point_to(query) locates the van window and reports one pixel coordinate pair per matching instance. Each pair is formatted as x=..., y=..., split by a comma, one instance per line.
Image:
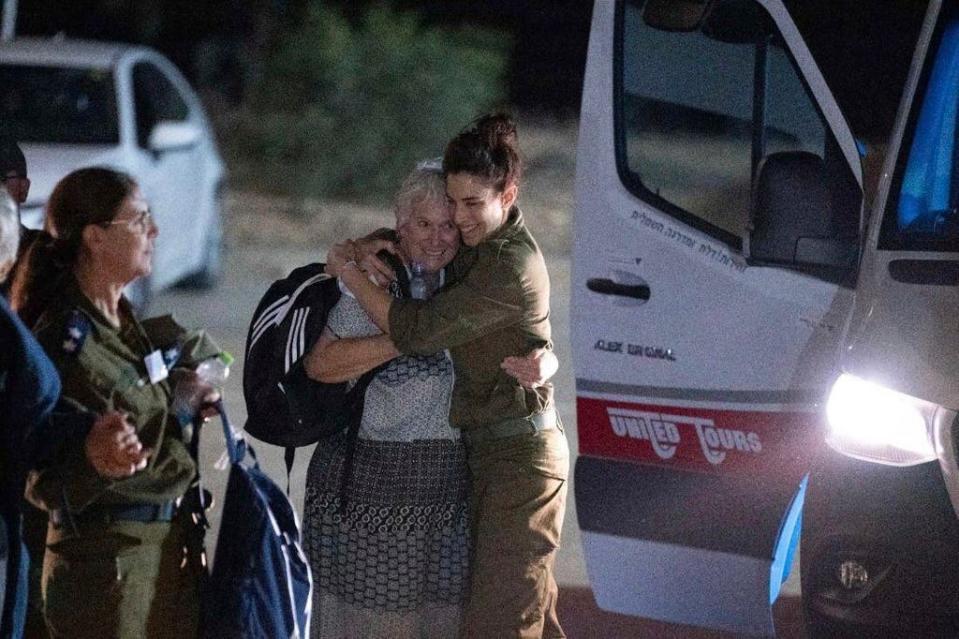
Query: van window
x=698, y=109
x=922, y=213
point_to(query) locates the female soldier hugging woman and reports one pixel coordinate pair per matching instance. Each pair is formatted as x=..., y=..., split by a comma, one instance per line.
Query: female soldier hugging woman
x=394, y=562
x=496, y=304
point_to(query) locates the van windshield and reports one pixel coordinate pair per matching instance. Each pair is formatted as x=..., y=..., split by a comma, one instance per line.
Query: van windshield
x=922, y=213
x=58, y=105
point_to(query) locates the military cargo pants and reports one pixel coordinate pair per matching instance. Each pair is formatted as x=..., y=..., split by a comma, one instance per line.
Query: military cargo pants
x=517, y=505
x=120, y=584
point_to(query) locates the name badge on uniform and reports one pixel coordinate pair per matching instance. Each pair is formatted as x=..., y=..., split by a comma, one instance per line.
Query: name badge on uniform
x=156, y=367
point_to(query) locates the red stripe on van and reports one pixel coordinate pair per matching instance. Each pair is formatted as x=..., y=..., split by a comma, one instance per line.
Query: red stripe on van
x=697, y=439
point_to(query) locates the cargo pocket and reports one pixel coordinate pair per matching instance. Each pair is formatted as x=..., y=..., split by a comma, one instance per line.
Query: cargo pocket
x=82, y=596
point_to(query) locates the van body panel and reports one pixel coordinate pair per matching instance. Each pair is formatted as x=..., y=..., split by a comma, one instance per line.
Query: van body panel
x=715, y=598
x=703, y=366
x=902, y=331
x=700, y=377
x=905, y=336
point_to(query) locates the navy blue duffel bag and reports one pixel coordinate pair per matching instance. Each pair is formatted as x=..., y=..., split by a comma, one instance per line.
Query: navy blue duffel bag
x=260, y=585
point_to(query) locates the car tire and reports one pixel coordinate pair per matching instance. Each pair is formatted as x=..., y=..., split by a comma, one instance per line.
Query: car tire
x=209, y=273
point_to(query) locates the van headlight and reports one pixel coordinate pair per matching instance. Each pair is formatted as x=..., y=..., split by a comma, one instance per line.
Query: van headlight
x=868, y=421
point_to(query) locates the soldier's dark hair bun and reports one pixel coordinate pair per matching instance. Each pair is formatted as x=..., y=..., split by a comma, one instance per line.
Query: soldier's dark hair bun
x=487, y=148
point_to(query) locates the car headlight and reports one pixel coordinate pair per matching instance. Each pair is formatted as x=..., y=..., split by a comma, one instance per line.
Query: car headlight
x=868, y=421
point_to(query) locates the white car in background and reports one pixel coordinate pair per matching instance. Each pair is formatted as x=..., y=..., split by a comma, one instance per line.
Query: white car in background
x=72, y=104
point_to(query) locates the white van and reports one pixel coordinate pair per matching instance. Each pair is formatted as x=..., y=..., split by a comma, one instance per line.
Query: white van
x=735, y=307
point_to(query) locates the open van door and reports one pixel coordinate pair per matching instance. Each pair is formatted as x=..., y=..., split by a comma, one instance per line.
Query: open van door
x=717, y=232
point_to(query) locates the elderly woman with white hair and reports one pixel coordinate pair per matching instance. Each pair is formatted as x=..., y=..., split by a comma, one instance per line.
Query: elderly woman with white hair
x=392, y=561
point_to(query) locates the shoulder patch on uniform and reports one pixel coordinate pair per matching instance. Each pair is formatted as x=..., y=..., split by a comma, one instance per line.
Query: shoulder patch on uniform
x=171, y=353
x=75, y=332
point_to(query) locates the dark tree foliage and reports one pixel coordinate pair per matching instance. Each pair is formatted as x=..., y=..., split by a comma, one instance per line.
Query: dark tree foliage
x=217, y=42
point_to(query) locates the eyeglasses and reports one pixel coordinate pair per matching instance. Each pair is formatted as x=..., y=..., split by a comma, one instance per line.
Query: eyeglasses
x=141, y=223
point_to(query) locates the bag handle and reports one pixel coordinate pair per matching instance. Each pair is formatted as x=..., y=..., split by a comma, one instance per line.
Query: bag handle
x=236, y=447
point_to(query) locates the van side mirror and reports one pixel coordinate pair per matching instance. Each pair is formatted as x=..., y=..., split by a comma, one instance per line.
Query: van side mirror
x=169, y=135
x=794, y=218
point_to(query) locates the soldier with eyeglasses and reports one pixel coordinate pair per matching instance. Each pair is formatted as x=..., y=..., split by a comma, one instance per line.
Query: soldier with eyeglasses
x=116, y=563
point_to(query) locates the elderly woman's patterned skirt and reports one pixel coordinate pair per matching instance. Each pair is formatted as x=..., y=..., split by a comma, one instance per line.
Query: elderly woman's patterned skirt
x=394, y=562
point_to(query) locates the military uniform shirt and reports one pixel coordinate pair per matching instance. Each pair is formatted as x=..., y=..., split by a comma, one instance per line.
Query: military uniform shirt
x=497, y=305
x=102, y=368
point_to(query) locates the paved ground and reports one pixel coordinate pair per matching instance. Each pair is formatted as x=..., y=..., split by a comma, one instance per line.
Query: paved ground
x=226, y=312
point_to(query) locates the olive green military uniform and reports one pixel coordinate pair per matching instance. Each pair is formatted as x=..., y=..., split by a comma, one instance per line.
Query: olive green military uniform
x=114, y=561
x=497, y=306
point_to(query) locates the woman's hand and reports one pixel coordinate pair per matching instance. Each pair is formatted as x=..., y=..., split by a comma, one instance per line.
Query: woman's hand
x=113, y=448
x=533, y=370
x=193, y=396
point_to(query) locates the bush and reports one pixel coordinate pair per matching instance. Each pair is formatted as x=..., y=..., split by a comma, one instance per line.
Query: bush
x=342, y=110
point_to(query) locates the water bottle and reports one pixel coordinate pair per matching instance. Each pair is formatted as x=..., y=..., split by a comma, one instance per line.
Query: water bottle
x=418, y=287
x=215, y=370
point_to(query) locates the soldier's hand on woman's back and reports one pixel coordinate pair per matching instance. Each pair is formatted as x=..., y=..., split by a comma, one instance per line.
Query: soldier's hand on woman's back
x=113, y=448
x=532, y=370
x=367, y=250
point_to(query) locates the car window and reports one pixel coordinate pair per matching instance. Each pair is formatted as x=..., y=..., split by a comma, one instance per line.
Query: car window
x=700, y=108
x=58, y=105
x=155, y=99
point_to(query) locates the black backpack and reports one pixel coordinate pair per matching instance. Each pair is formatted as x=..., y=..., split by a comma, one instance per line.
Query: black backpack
x=284, y=406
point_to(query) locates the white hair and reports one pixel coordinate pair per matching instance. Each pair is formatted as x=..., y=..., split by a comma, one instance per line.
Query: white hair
x=9, y=233
x=424, y=184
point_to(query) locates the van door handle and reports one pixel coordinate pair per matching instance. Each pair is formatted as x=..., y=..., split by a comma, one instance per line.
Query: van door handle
x=606, y=286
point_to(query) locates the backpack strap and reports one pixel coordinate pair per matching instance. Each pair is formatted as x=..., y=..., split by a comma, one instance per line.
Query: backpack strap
x=402, y=278
x=235, y=447
x=289, y=454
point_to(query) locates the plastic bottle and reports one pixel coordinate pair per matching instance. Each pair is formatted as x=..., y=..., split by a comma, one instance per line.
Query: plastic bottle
x=215, y=370
x=418, y=287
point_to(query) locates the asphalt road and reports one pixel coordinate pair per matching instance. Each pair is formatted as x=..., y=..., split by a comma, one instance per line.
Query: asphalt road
x=226, y=311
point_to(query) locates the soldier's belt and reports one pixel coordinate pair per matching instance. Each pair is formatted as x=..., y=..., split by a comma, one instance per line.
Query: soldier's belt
x=510, y=428
x=105, y=515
